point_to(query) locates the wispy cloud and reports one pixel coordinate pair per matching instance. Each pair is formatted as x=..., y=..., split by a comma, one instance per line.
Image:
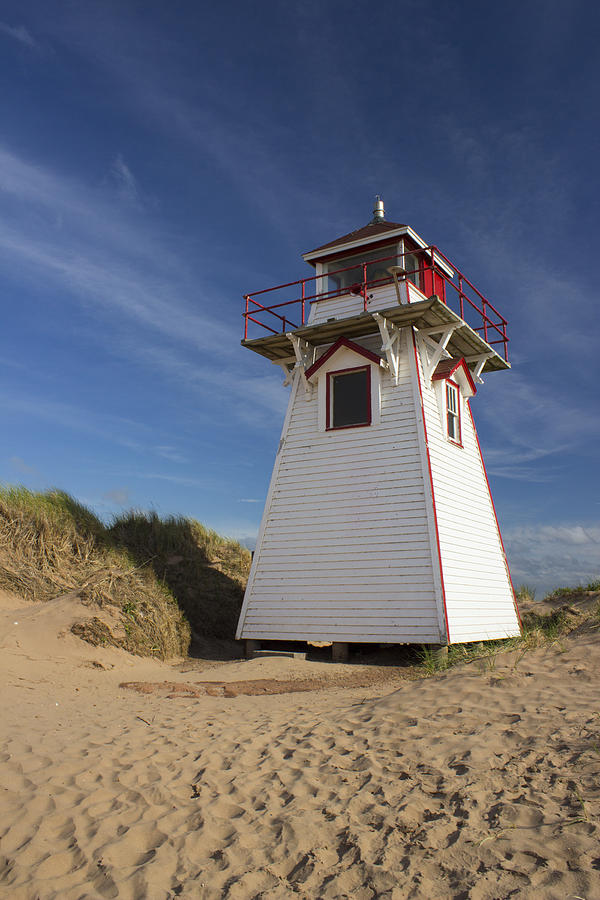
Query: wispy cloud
x=119, y=496
x=19, y=33
x=554, y=556
x=532, y=425
x=115, y=429
x=170, y=453
x=19, y=465
x=103, y=257
x=125, y=271
x=124, y=180
x=174, y=479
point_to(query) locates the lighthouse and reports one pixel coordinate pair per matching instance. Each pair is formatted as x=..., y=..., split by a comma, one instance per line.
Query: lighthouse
x=379, y=524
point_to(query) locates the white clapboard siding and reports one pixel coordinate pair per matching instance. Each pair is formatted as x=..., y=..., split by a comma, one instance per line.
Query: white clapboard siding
x=344, y=552
x=353, y=304
x=479, y=597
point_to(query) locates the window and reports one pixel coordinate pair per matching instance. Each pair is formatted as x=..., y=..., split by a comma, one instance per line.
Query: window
x=376, y=271
x=453, y=412
x=412, y=265
x=349, y=398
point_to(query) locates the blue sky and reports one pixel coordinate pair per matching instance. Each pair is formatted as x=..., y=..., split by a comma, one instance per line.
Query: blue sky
x=158, y=160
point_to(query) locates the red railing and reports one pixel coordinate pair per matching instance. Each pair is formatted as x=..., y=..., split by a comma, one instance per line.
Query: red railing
x=427, y=275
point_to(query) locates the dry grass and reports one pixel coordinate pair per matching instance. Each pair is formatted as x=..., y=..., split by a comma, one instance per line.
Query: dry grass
x=159, y=575
x=545, y=624
x=51, y=546
x=206, y=573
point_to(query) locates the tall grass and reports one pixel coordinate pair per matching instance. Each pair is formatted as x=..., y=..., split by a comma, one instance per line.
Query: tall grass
x=205, y=572
x=148, y=571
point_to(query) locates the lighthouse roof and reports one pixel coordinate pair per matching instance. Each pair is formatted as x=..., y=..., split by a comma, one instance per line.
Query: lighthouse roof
x=373, y=229
x=372, y=235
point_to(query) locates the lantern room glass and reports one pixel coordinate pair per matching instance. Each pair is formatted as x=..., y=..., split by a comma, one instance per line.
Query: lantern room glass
x=378, y=262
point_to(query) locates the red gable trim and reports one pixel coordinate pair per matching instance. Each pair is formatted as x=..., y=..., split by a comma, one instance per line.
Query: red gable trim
x=447, y=367
x=349, y=345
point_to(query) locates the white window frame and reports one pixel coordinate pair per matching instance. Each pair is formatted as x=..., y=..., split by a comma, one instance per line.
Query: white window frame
x=452, y=409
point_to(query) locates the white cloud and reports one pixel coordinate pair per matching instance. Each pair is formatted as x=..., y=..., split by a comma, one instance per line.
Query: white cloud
x=551, y=556
x=19, y=33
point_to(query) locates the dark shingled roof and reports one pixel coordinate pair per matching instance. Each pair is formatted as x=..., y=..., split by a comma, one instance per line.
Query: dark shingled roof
x=446, y=367
x=367, y=231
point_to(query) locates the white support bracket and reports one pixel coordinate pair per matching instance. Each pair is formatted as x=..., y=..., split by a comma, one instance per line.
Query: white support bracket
x=479, y=363
x=395, y=272
x=434, y=350
x=287, y=367
x=390, y=336
x=305, y=357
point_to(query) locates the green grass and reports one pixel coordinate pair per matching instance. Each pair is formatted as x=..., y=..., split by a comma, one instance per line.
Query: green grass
x=539, y=630
x=155, y=575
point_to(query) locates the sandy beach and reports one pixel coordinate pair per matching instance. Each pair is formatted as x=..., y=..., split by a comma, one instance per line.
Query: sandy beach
x=480, y=782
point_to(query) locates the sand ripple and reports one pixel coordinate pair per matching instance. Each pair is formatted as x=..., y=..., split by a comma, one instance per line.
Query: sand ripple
x=476, y=784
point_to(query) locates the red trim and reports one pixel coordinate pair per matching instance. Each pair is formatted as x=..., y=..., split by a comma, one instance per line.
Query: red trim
x=349, y=345
x=447, y=367
x=479, y=305
x=495, y=516
x=459, y=442
x=437, y=533
x=328, y=425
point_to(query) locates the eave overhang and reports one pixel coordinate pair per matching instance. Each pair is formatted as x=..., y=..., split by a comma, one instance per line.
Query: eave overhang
x=464, y=342
x=329, y=252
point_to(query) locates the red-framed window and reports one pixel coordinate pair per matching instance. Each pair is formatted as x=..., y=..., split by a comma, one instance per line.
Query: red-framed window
x=349, y=398
x=453, y=424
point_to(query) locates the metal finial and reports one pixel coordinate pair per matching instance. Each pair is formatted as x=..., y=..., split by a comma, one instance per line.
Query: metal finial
x=379, y=211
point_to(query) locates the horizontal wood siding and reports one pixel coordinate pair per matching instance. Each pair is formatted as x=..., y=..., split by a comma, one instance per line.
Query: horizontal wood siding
x=345, y=552
x=352, y=304
x=479, y=596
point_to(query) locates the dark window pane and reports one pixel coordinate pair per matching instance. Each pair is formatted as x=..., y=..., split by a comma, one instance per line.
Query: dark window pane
x=350, y=404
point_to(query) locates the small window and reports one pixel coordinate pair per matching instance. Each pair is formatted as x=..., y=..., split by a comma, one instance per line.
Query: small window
x=453, y=412
x=349, y=398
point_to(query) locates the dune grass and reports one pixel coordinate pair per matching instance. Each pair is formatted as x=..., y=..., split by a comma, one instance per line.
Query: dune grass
x=154, y=576
x=540, y=629
x=205, y=572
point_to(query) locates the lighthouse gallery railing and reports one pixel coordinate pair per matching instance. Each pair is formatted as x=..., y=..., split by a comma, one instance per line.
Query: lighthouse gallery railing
x=473, y=307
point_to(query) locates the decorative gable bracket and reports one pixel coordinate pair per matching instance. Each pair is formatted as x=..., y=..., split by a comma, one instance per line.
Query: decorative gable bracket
x=477, y=364
x=390, y=336
x=434, y=350
x=305, y=357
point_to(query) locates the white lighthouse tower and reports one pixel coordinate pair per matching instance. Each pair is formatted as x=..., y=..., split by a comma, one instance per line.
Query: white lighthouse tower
x=379, y=525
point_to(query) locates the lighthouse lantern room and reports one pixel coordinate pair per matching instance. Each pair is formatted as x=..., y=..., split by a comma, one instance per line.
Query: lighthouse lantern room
x=379, y=525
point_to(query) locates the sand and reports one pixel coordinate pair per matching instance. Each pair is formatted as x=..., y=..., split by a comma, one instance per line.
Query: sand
x=482, y=782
